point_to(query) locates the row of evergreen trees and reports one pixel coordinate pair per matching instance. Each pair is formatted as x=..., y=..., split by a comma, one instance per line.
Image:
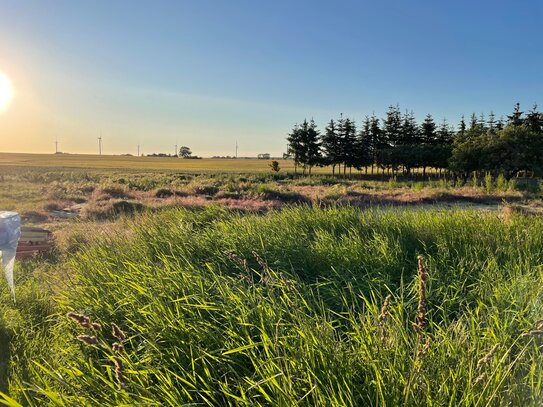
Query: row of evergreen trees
x=398, y=143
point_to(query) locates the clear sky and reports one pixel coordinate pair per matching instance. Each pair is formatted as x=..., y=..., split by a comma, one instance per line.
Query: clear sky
x=207, y=73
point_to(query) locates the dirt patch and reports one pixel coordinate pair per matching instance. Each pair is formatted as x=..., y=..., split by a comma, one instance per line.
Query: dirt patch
x=110, y=193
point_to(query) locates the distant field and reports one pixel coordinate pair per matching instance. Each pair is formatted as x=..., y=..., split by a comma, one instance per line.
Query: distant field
x=154, y=163
x=205, y=165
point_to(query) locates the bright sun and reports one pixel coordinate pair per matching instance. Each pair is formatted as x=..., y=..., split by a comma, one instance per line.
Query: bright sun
x=6, y=91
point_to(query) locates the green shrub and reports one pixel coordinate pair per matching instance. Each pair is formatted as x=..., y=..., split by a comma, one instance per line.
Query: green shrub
x=418, y=186
x=501, y=183
x=475, y=180
x=488, y=183
x=512, y=185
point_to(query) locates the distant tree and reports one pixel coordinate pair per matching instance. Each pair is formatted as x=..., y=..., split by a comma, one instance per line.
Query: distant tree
x=410, y=133
x=534, y=120
x=442, y=150
x=312, y=144
x=348, y=141
x=474, y=123
x=364, y=146
x=392, y=126
x=184, y=152
x=491, y=123
x=515, y=118
x=392, y=133
x=378, y=142
x=304, y=145
x=295, y=147
x=428, y=130
x=406, y=153
x=462, y=127
x=330, y=145
x=274, y=166
x=263, y=156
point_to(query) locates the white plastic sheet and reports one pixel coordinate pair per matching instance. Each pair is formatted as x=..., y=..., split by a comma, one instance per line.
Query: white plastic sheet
x=10, y=231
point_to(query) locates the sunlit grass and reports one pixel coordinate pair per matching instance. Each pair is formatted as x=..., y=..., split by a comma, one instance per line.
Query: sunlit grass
x=302, y=324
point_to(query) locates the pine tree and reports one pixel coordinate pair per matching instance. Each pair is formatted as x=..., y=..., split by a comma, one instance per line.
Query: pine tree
x=330, y=144
x=445, y=133
x=392, y=126
x=428, y=138
x=410, y=133
x=310, y=144
x=365, y=147
x=534, y=120
x=473, y=124
x=491, y=123
x=295, y=147
x=428, y=130
x=462, y=127
x=348, y=140
x=515, y=118
x=377, y=141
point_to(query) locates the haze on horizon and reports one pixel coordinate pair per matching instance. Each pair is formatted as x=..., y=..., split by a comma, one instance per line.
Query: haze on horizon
x=205, y=74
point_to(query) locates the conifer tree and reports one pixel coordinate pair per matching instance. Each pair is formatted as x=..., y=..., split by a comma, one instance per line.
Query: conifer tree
x=311, y=144
x=515, y=118
x=348, y=140
x=428, y=130
x=491, y=123
x=330, y=144
x=377, y=140
x=295, y=147
x=392, y=126
x=534, y=120
x=365, y=147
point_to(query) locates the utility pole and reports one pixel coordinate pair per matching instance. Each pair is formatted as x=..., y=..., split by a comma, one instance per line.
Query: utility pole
x=236, y=149
x=100, y=145
x=138, y=150
x=176, y=151
x=56, y=145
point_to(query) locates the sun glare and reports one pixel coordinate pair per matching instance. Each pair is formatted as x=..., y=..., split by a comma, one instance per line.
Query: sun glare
x=6, y=91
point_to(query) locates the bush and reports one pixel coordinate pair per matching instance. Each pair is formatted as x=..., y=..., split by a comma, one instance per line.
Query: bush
x=489, y=186
x=501, y=183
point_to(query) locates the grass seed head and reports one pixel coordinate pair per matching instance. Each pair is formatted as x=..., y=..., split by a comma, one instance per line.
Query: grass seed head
x=242, y=263
x=87, y=340
x=117, y=347
x=81, y=319
x=117, y=332
x=119, y=371
x=488, y=357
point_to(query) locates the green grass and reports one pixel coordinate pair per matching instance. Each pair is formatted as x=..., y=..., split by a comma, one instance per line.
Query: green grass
x=299, y=325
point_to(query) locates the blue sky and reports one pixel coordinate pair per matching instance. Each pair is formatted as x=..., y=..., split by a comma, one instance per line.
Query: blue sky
x=207, y=73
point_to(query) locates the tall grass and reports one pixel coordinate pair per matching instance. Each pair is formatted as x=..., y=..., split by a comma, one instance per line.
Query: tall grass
x=305, y=306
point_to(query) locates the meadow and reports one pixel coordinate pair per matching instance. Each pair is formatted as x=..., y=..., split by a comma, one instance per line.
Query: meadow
x=257, y=288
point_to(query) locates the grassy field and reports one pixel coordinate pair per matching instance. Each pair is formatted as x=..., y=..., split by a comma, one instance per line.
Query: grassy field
x=255, y=288
x=208, y=165
x=304, y=306
x=37, y=192
x=205, y=165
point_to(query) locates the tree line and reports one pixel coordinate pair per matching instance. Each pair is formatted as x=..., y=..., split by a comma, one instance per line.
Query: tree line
x=397, y=144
